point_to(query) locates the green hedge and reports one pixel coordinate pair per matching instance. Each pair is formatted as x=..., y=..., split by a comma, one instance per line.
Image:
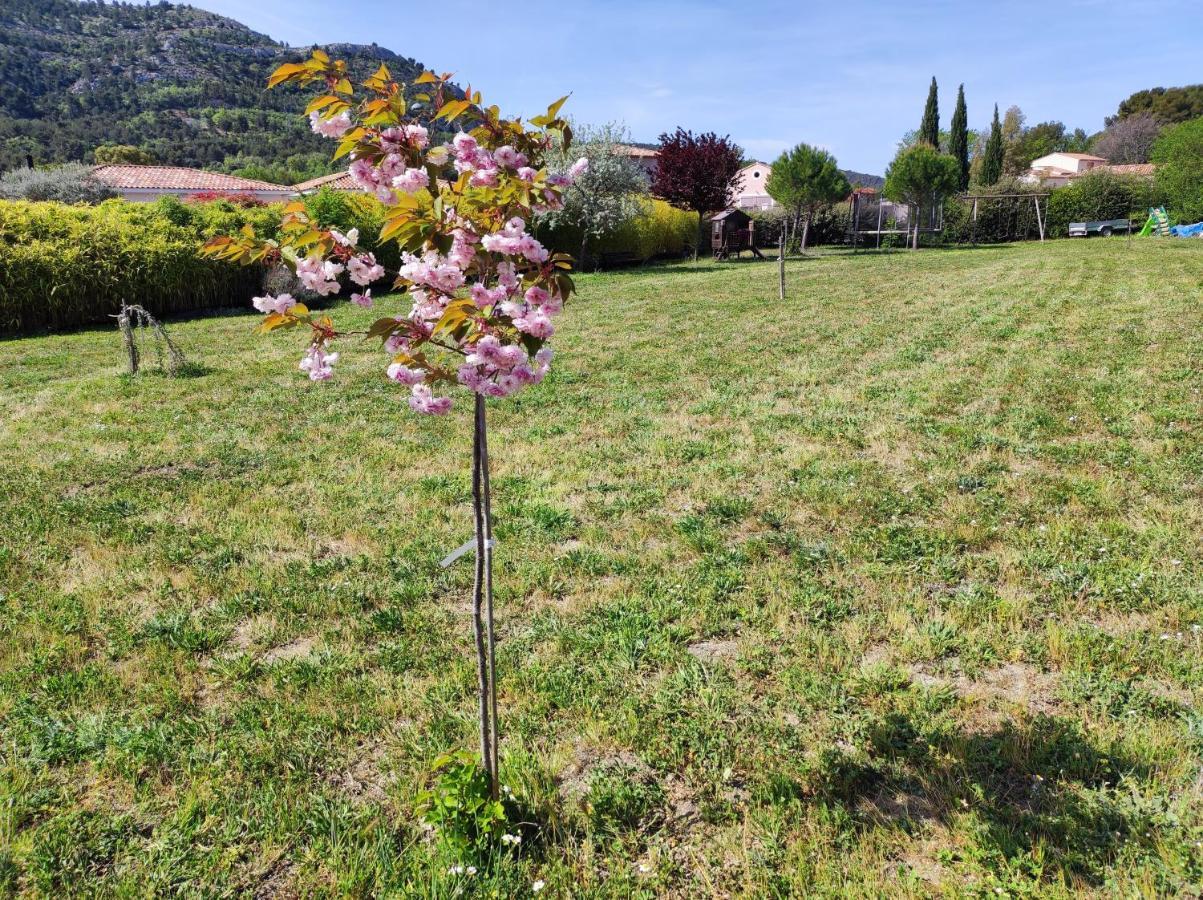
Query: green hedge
x=1099, y=196
x=659, y=230
x=65, y=266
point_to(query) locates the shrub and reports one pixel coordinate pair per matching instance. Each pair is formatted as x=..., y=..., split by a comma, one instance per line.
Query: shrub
x=659, y=230
x=1179, y=151
x=70, y=183
x=63, y=266
x=1099, y=195
x=998, y=221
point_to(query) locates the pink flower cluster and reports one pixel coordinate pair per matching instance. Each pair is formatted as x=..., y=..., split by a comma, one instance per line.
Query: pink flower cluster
x=334, y=127
x=318, y=362
x=318, y=275
x=498, y=370
x=505, y=271
x=269, y=304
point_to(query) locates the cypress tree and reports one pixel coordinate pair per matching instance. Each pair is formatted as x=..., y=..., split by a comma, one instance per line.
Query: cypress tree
x=929, y=131
x=992, y=165
x=958, y=142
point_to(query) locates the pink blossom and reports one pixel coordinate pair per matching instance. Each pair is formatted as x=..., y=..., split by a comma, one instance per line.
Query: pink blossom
x=484, y=178
x=417, y=136
x=438, y=156
x=350, y=239
x=507, y=276
x=536, y=323
x=579, y=168
x=269, y=304
x=485, y=297
x=333, y=127
x=364, y=299
x=318, y=363
x=364, y=174
x=506, y=157
x=536, y=296
x=464, y=143
x=411, y=181
x=318, y=276
x=392, y=166
x=363, y=270
x=405, y=375
x=526, y=173
x=422, y=400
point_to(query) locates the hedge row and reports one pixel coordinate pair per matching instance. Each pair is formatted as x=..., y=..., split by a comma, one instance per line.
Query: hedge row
x=65, y=266
x=659, y=230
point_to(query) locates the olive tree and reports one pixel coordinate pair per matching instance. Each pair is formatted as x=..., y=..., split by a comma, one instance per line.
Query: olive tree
x=804, y=180
x=921, y=176
x=607, y=195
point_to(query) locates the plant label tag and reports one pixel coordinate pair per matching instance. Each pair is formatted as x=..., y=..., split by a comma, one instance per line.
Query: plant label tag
x=465, y=547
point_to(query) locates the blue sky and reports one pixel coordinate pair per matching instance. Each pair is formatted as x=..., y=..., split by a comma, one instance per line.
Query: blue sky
x=851, y=76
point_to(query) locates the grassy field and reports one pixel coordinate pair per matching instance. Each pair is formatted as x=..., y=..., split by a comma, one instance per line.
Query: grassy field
x=892, y=588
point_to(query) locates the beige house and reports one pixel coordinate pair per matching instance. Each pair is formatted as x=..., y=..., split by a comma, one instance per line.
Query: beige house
x=1059, y=169
x=750, y=192
x=147, y=183
x=644, y=158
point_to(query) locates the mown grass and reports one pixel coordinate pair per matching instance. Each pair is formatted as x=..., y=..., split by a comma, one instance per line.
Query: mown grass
x=892, y=588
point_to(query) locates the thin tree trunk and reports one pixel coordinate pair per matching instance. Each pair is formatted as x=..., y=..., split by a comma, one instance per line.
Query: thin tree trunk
x=781, y=264
x=489, y=633
x=806, y=231
x=580, y=265
x=478, y=591
x=701, y=236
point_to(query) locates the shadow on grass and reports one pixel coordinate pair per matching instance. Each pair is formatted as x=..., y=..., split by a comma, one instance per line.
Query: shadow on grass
x=1043, y=792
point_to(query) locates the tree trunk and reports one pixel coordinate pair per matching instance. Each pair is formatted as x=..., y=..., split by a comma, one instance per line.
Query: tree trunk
x=701, y=236
x=806, y=230
x=781, y=264
x=915, y=243
x=482, y=589
x=580, y=263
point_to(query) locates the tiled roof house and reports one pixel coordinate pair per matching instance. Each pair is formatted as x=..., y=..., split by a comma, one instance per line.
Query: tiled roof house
x=146, y=183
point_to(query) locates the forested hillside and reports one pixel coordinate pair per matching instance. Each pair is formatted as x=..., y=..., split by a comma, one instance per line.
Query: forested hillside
x=183, y=84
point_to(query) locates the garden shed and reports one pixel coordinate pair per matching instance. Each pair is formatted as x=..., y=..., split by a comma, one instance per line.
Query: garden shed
x=732, y=231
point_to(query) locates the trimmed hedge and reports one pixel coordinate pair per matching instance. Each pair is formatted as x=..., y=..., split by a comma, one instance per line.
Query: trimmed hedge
x=659, y=230
x=65, y=266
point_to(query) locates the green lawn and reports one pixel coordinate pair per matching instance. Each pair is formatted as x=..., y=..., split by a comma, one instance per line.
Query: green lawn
x=892, y=588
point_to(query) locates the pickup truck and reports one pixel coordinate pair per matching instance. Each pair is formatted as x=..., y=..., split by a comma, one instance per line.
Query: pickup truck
x=1105, y=228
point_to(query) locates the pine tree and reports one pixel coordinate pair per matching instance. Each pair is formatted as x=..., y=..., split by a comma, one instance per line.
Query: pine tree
x=992, y=166
x=929, y=131
x=958, y=141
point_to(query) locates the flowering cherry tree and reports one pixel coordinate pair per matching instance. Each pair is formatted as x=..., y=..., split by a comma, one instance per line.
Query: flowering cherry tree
x=482, y=292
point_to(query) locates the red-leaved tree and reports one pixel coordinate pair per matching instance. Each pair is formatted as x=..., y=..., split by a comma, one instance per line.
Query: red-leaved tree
x=698, y=173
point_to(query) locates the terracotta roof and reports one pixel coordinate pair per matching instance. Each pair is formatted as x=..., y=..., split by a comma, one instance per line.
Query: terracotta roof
x=178, y=178
x=338, y=181
x=632, y=150
x=1144, y=169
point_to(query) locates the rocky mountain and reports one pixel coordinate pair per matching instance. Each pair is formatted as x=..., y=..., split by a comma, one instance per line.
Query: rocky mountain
x=183, y=84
